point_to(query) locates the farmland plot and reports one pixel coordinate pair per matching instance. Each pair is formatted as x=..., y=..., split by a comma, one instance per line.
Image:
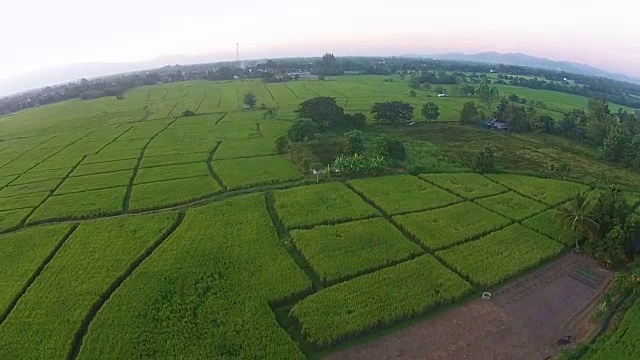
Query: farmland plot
x=22, y=253
x=23, y=201
x=467, y=185
x=225, y=275
x=172, y=192
x=242, y=173
x=548, y=191
x=320, y=204
x=403, y=193
x=104, y=167
x=342, y=251
x=171, y=172
x=55, y=305
x=37, y=176
x=231, y=149
x=81, y=205
x=176, y=159
x=29, y=188
x=545, y=224
x=373, y=301
x=623, y=343
x=501, y=255
x=12, y=218
x=512, y=205
x=94, y=182
x=451, y=225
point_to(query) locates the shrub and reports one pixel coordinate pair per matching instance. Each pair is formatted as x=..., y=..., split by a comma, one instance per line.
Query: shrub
x=188, y=113
x=484, y=160
x=282, y=144
x=392, y=149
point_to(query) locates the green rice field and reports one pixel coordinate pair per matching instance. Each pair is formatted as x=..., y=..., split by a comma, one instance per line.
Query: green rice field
x=128, y=231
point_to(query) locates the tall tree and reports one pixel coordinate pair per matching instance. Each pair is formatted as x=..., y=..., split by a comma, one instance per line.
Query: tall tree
x=430, y=111
x=577, y=216
x=488, y=95
x=392, y=111
x=323, y=110
x=250, y=99
x=469, y=113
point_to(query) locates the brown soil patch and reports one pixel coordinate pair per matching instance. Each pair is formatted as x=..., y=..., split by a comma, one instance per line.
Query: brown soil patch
x=523, y=320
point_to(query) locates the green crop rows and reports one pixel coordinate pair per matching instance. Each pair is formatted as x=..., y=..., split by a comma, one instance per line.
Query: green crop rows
x=548, y=191
x=206, y=292
x=403, y=193
x=623, y=343
x=241, y=173
x=512, y=205
x=500, y=255
x=466, y=185
x=374, y=300
x=343, y=251
x=448, y=226
x=320, y=204
x=82, y=270
x=130, y=231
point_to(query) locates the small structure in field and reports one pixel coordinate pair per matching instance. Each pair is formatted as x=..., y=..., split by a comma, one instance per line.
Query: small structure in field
x=497, y=125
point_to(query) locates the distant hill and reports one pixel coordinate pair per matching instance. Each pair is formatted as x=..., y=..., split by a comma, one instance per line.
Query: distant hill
x=532, y=61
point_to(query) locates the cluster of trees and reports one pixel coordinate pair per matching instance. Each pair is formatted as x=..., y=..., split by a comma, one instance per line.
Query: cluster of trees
x=425, y=77
x=593, y=88
x=607, y=227
x=323, y=134
x=327, y=66
x=615, y=135
x=393, y=112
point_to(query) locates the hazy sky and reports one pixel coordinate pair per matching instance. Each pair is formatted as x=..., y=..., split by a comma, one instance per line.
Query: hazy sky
x=44, y=33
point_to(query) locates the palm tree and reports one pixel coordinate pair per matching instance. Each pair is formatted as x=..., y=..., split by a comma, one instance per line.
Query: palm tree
x=576, y=216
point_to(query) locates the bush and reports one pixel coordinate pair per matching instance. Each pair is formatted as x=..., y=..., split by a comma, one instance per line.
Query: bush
x=412, y=93
x=358, y=165
x=484, y=160
x=188, y=113
x=392, y=149
x=355, y=142
x=282, y=144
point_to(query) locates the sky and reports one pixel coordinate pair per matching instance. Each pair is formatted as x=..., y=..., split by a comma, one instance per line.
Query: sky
x=38, y=34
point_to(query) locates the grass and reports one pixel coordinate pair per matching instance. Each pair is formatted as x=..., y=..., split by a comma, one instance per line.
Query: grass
x=466, y=185
x=320, y=204
x=342, y=251
x=172, y=192
x=500, y=255
x=451, y=225
x=171, y=172
x=512, y=205
x=79, y=274
x=94, y=182
x=242, y=173
x=403, y=193
x=80, y=205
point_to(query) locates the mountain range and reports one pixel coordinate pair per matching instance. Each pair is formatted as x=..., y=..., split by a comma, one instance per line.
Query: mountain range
x=493, y=57
x=73, y=72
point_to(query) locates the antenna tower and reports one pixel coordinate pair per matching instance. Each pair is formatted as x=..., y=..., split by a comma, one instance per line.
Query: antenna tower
x=237, y=55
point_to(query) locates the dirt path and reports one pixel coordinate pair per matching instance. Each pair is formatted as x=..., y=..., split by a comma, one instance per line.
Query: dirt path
x=523, y=320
